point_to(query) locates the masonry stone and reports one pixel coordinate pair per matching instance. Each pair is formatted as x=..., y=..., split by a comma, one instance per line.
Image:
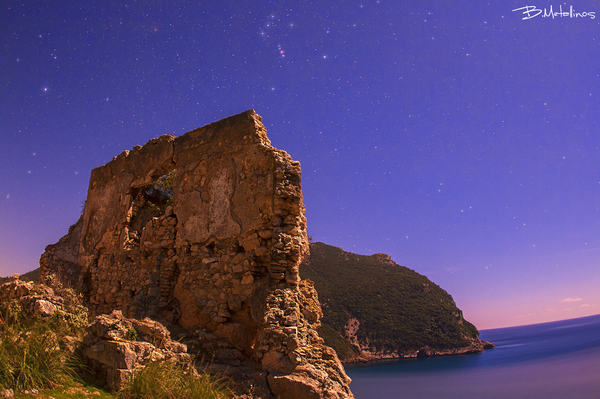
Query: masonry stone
x=206, y=232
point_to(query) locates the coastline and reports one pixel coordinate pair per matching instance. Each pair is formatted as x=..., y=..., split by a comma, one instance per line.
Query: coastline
x=477, y=346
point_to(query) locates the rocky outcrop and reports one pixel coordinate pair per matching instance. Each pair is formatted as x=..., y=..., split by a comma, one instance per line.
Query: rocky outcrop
x=118, y=347
x=476, y=346
x=34, y=300
x=61, y=258
x=206, y=231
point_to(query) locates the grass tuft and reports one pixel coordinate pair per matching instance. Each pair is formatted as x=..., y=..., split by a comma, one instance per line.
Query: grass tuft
x=32, y=354
x=168, y=379
x=32, y=358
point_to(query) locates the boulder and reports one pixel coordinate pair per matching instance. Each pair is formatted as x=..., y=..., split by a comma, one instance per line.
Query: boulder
x=118, y=346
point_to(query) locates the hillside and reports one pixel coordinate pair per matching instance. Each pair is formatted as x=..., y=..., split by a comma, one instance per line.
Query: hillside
x=385, y=309
x=33, y=275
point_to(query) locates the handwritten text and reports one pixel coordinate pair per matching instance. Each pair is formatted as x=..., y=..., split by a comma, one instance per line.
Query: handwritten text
x=532, y=12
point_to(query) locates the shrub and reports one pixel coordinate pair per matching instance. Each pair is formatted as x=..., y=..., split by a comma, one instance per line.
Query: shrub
x=132, y=334
x=73, y=317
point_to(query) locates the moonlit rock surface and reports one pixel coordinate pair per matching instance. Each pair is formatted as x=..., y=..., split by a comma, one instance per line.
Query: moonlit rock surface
x=218, y=247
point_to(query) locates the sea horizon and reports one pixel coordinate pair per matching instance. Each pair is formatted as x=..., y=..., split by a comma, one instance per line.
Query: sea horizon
x=540, y=323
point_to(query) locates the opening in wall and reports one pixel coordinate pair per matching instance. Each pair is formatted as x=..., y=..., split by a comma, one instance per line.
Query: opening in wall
x=151, y=201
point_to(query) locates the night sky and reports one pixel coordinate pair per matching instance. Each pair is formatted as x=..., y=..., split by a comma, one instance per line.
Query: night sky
x=458, y=137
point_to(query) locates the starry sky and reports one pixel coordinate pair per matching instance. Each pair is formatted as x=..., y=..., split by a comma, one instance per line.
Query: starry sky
x=462, y=138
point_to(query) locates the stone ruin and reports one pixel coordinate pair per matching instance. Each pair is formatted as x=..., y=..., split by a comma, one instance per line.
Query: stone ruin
x=206, y=232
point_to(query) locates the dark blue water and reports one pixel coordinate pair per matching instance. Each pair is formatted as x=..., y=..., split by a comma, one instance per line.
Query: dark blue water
x=550, y=360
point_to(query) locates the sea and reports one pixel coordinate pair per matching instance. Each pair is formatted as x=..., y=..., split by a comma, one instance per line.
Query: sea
x=551, y=360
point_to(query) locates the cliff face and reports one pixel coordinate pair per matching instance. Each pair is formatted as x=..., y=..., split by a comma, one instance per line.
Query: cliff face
x=206, y=231
x=376, y=309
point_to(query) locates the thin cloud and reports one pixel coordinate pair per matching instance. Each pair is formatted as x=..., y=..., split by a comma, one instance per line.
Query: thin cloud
x=569, y=299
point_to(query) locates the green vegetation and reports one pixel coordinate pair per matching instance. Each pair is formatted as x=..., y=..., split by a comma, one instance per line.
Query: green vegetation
x=159, y=194
x=344, y=348
x=132, y=334
x=44, y=354
x=34, y=352
x=84, y=390
x=397, y=308
x=168, y=379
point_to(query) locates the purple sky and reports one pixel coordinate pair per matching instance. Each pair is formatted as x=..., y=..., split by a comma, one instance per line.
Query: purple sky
x=455, y=136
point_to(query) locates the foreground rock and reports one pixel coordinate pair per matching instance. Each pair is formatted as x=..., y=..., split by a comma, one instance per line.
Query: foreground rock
x=23, y=301
x=117, y=347
x=113, y=346
x=35, y=300
x=206, y=232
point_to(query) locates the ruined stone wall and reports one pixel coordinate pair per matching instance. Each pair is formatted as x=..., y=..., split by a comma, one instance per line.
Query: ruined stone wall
x=219, y=249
